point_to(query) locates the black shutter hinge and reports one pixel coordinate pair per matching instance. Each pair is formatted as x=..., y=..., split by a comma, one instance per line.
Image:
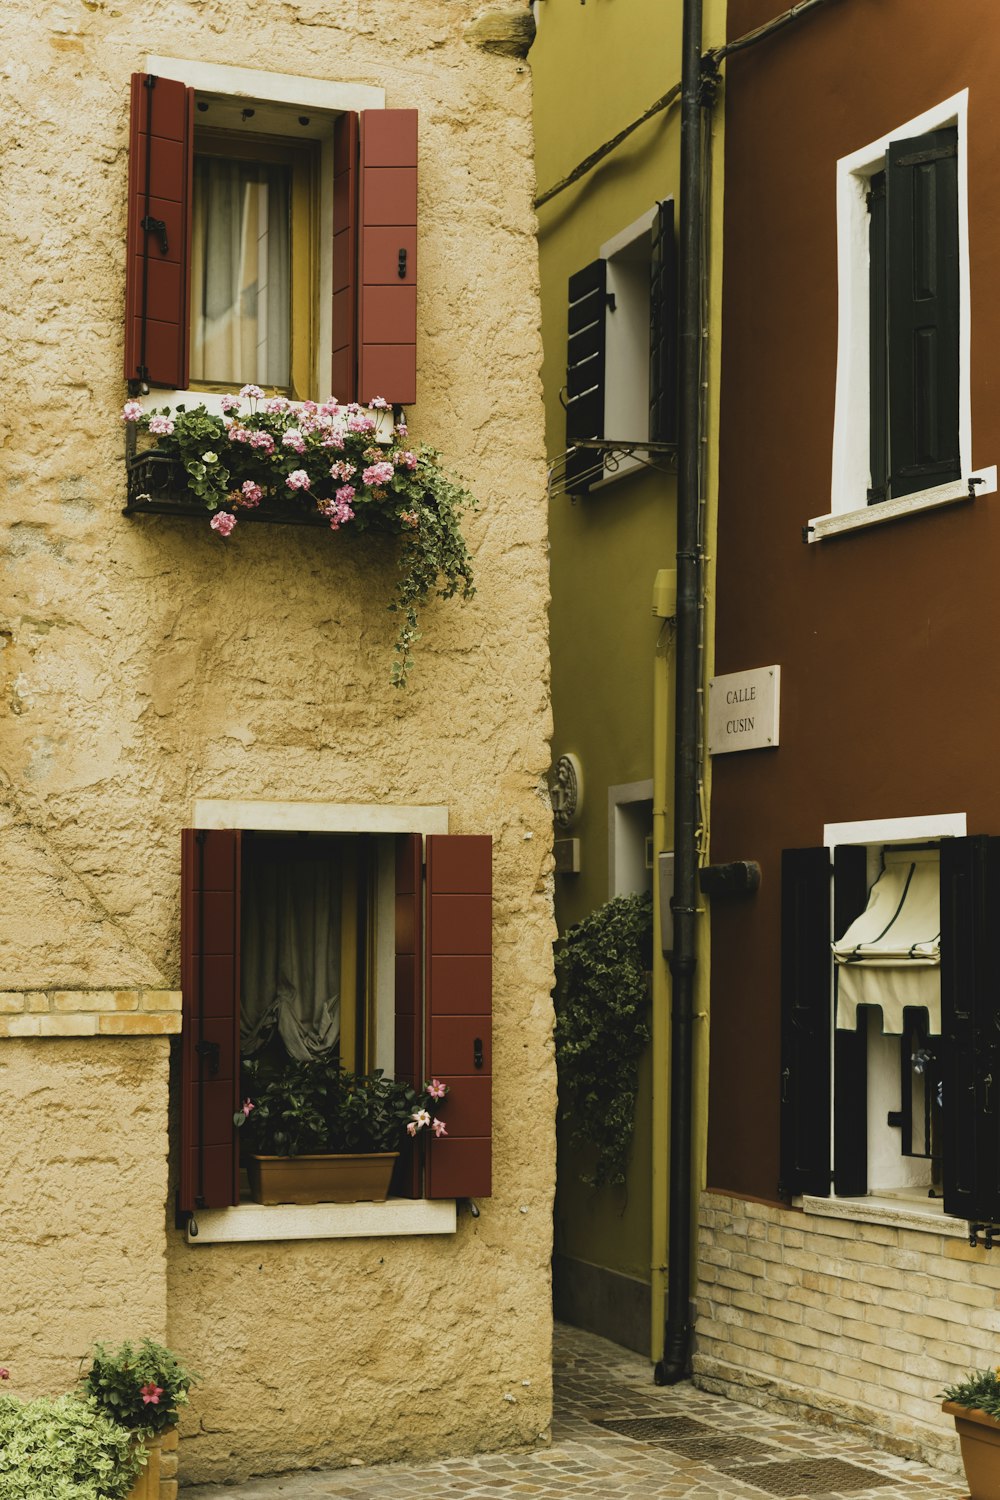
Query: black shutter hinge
x=973, y=481
x=401, y=264
x=159, y=228
x=806, y=531
x=988, y=1232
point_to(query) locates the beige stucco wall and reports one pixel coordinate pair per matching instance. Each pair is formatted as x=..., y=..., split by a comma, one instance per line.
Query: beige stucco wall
x=83, y=1177
x=145, y=663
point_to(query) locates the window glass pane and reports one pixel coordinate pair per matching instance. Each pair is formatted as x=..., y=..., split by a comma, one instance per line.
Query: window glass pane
x=241, y=281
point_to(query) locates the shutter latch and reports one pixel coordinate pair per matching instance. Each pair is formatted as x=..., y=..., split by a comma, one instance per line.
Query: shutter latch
x=157, y=227
x=401, y=265
x=477, y=1052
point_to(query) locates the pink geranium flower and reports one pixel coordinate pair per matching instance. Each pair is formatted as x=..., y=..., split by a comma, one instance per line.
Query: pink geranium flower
x=298, y=479
x=223, y=522
x=131, y=411
x=293, y=439
x=379, y=473
x=252, y=493
x=252, y=393
x=161, y=426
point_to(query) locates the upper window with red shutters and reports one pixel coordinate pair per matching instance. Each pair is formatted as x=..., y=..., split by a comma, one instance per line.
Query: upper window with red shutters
x=271, y=235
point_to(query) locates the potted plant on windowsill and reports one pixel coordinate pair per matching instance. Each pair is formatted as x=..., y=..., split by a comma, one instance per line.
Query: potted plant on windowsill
x=142, y=1390
x=317, y=1134
x=975, y=1405
x=304, y=463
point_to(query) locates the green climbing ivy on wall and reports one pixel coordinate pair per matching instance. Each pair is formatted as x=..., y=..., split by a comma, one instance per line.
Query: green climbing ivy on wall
x=602, y=1025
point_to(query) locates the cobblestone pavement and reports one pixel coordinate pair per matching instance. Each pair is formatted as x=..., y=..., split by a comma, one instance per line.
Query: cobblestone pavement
x=616, y=1436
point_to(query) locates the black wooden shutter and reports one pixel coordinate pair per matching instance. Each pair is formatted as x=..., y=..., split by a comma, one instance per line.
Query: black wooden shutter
x=878, y=327
x=663, y=327
x=409, y=992
x=805, y=1021
x=850, y=1048
x=970, y=1026
x=210, y=1028
x=922, y=257
x=585, y=372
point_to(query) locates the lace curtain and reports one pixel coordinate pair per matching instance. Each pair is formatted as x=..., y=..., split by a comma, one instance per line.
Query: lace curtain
x=291, y=951
x=241, y=277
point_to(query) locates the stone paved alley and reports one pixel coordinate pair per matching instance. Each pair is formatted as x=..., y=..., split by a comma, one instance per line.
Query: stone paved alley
x=616, y=1436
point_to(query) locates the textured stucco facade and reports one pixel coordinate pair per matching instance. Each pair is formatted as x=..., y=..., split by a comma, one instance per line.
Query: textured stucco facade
x=146, y=663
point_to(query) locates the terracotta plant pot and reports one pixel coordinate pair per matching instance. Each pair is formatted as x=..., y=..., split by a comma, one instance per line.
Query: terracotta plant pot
x=321, y=1179
x=157, y=1471
x=979, y=1437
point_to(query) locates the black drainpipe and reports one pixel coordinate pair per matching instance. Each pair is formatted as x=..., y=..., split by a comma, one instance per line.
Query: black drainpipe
x=674, y=1365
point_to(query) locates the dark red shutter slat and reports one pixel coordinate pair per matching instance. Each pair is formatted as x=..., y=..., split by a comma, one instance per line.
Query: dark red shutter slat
x=459, y=1007
x=409, y=991
x=387, y=314
x=210, y=1037
x=166, y=275
x=345, y=258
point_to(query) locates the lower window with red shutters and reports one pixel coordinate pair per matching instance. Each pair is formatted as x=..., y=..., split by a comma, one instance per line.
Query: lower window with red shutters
x=335, y=948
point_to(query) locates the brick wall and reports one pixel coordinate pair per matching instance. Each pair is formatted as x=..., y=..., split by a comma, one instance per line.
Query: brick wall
x=25, y=1013
x=851, y=1323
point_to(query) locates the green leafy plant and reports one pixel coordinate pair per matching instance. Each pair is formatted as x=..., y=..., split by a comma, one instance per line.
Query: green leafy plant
x=303, y=1108
x=330, y=459
x=64, y=1449
x=602, y=1002
x=141, y=1389
x=980, y=1390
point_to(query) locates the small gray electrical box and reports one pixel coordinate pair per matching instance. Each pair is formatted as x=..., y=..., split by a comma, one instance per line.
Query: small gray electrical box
x=665, y=885
x=567, y=855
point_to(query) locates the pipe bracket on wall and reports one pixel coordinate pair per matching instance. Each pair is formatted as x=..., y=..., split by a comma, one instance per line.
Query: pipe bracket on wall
x=741, y=877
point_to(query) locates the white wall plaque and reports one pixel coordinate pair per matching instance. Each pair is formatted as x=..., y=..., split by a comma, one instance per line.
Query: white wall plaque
x=743, y=710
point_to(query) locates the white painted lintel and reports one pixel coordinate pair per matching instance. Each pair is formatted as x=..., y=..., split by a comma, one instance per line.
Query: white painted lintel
x=317, y=817
x=396, y=1218
x=265, y=87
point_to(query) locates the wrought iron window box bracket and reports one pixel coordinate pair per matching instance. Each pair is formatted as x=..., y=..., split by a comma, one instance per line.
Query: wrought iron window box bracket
x=157, y=486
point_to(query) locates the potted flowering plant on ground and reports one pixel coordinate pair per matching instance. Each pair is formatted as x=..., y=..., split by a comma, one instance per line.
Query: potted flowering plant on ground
x=140, y=1389
x=268, y=458
x=975, y=1405
x=316, y=1134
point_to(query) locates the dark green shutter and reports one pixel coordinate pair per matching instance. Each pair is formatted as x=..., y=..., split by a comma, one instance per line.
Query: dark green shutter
x=663, y=327
x=585, y=372
x=850, y=1048
x=805, y=1021
x=970, y=1026
x=878, y=323
x=923, y=310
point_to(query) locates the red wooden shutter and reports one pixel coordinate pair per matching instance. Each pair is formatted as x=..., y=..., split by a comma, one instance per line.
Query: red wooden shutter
x=210, y=1051
x=409, y=991
x=459, y=1010
x=387, y=320
x=345, y=258
x=157, y=280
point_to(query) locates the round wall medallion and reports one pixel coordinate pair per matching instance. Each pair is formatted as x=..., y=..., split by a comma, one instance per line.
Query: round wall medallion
x=566, y=790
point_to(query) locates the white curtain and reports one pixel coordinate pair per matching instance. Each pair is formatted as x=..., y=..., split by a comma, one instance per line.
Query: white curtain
x=890, y=956
x=241, y=272
x=291, y=952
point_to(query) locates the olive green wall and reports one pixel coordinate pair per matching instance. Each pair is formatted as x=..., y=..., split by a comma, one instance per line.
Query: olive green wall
x=596, y=68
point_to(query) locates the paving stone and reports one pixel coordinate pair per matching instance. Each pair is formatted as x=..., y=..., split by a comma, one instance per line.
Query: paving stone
x=604, y=1449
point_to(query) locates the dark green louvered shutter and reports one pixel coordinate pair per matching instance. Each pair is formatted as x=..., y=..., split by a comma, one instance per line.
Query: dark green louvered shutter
x=805, y=1021
x=970, y=1026
x=923, y=310
x=663, y=327
x=878, y=323
x=585, y=373
x=850, y=1048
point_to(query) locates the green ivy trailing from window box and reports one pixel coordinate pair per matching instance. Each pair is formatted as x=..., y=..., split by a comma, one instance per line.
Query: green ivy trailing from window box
x=268, y=458
x=602, y=1026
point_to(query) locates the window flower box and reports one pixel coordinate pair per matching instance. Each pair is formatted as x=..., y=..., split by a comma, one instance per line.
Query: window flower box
x=305, y=464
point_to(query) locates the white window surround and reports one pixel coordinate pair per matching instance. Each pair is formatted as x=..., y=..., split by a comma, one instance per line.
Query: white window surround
x=907, y=1207
x=626, y=840
x=316, y=95
x=849, y=510
x=626, y=368
x=397, y=1217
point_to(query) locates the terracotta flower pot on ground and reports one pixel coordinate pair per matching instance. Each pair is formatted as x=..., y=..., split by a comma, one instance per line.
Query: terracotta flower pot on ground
x=157, y=1478
x=321, y=1179
x=979, y=1437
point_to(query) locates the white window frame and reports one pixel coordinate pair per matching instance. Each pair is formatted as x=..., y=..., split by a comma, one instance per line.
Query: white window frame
x=317, y=96
x=397, y=1216
x=626, y=375
x=851, y=473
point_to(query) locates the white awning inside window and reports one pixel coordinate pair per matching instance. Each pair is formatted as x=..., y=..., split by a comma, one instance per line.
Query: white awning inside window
x=890, y=955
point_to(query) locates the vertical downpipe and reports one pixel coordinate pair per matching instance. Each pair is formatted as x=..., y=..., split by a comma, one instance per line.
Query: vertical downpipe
x=674, y=1365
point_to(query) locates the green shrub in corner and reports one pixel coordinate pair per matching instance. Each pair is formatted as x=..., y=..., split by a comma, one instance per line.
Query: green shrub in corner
x=602, y=1006
x=64, y=1449
x=139, y=1388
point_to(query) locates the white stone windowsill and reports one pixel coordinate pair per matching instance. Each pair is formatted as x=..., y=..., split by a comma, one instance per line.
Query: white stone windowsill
x=837, y=522
x=395, y=1218
x=922, y=1214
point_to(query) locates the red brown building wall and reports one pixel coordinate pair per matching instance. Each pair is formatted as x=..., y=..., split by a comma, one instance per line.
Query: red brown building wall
x=888, y=638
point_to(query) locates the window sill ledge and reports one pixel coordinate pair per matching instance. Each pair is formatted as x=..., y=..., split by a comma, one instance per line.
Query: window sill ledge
x=836, y=523
x=395, y=1218
x=925, y=1215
